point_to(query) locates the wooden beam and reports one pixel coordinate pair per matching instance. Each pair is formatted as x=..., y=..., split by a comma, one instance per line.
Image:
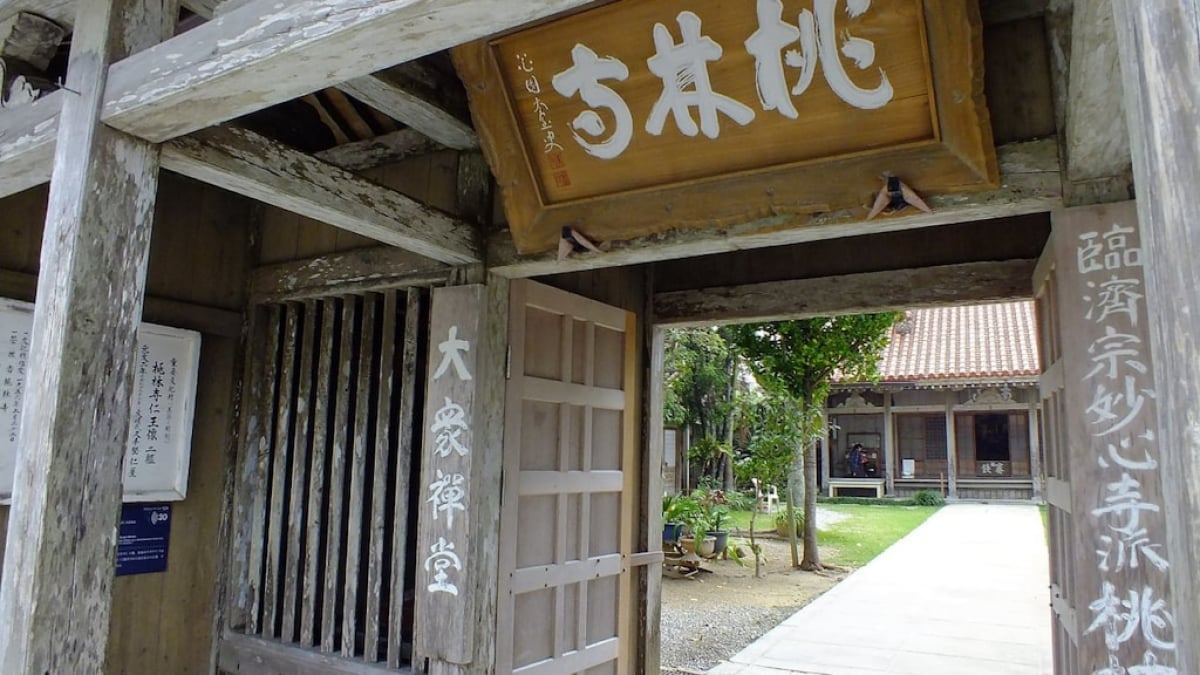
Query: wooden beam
x=386, y=149
x=263, y=53
x=390, y=94
x=849, y=294
x=243, y=162
x=254, y=57
x=403, y=101
x=1031, y=182
x=475, y=192
x=55, y=597
x=653, y=379
x=1160, y=62
x=251, y=165
x=27, y=135
x=359, y=271
x=248, y=655
x=1097, y=137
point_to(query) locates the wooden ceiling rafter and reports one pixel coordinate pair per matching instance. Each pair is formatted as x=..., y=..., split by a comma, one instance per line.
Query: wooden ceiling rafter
x=386, y=148
x=340, y=137
x=243, y=162
x=400, y=97
x=347, y=113
x=407, y=94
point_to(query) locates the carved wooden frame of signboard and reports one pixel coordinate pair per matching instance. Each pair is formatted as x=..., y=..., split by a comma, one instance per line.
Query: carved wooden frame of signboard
x=590, y=121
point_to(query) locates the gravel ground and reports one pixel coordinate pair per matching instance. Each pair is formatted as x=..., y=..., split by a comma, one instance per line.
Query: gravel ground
x=711, y=617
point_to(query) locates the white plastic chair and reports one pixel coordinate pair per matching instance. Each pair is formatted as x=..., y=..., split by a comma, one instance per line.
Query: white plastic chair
x=770, y=500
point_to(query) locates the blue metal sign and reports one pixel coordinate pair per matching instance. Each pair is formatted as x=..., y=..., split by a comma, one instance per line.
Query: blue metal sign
x=142, y=542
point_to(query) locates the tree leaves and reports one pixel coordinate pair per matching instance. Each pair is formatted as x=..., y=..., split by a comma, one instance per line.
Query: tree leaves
x=799, y=358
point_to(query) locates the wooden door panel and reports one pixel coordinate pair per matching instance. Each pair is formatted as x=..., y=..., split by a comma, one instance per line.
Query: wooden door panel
x=1061, y=531
x=568, y=502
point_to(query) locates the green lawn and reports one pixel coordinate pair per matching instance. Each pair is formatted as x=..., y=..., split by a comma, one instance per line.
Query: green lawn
x=869, y=530
x=740, y=520
x=864, y=534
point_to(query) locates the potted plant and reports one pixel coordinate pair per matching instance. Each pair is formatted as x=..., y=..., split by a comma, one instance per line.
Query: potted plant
x=673, y=509
x=781, y=523
x=697, y=540
x=718, y=518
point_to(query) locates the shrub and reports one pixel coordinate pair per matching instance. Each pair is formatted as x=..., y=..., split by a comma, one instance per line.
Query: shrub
x=781, y=523
x=927, y=498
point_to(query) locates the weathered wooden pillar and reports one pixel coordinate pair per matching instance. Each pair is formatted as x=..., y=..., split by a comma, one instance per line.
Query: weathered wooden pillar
x=1035, y=451
x=951, y=448
x=652, y=478
x=1160, y=63
x=889, y=444
x=58, y=571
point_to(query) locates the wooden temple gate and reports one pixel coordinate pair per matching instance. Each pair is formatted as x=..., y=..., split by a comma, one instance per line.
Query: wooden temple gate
x=403, y=454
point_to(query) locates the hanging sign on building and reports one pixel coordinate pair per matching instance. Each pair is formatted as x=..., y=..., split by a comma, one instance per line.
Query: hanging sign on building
x=162, y=405
x=445, y=574
x=1123, y=587
x=646, y=115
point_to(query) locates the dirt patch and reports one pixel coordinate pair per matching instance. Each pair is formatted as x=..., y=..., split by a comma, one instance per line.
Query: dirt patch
x=711, y=617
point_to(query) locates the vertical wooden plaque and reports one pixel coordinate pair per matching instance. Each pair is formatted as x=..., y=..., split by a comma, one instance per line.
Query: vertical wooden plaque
x=445, y=574
x=1123, y=576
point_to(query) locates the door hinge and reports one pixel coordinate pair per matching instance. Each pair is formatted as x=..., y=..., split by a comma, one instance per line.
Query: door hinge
x=508, y=363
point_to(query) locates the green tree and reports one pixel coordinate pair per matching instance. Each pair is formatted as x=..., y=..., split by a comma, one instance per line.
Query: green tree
x=769, y=426
x=795, y=360
x=700, y=390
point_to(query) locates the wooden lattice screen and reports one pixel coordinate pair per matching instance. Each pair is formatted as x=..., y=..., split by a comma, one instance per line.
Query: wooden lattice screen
x=321, y=537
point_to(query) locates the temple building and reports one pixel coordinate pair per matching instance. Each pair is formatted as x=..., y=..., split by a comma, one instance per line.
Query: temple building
x=955, y=410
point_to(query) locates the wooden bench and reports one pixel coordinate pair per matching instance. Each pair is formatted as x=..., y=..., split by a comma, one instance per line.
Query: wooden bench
x=876, y=484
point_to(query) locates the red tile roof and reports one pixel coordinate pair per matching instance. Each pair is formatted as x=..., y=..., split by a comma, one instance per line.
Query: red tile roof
x=980, y=342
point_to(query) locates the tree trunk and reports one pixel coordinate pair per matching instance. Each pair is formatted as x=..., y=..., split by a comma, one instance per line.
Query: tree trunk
x=812, y=555
x=795, y=481
x=728, y=479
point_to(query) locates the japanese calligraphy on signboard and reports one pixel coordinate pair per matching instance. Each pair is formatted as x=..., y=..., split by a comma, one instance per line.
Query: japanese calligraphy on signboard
x=444, y=575
x=1124, y=591
x=162, y=405
x=648, y=114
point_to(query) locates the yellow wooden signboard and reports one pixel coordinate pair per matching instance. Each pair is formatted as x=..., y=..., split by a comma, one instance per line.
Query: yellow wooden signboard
x=647, y=115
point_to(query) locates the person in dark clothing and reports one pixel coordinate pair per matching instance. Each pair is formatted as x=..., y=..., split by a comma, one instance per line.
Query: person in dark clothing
x=857, y=461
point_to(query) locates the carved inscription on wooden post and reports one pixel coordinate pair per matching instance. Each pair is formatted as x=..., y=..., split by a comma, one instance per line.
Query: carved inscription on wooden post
x=1123, y=583
x=445, y=576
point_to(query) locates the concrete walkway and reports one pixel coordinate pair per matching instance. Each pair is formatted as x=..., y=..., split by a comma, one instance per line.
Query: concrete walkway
x=964, y=594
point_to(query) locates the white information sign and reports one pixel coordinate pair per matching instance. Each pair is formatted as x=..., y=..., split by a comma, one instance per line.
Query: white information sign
x=163, y=404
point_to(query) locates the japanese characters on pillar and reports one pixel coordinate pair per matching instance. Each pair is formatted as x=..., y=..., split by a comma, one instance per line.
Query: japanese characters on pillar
x=690, y=95
x=162, y=405
x=1124, y=590
x=445, y=587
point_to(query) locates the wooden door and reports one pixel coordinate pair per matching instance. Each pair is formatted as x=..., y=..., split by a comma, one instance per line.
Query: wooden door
x=1058, y=466
x=570, y=476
